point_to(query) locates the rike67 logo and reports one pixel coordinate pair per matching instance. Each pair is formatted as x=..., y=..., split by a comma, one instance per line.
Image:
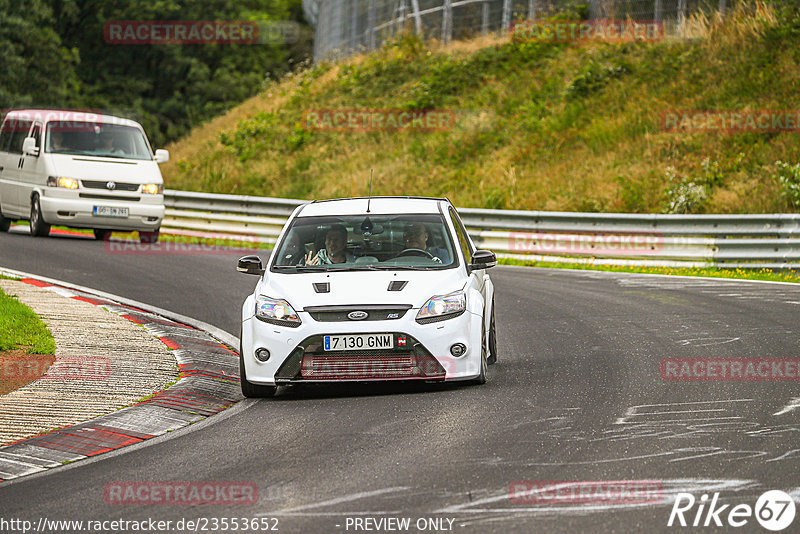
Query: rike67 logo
x=774, y=510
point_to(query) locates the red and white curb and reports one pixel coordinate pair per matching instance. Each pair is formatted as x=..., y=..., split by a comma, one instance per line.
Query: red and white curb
x=208, y=384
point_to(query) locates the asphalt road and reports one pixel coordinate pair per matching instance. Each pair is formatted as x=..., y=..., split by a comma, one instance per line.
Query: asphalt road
x=576, y=396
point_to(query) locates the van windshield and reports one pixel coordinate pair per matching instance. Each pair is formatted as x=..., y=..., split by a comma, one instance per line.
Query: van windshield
x=97, y=139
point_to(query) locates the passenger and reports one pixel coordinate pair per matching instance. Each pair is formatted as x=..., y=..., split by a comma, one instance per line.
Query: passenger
x=292, y=253
x=416, y=236
x=335, y=250
x=57, y=141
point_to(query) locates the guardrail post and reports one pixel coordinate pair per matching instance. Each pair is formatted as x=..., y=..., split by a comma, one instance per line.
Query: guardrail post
x=371, y=25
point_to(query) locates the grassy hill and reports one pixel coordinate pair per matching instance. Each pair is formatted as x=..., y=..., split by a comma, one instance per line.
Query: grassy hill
x=573, y=127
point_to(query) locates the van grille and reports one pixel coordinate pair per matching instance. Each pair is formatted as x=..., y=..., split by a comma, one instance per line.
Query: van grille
x=118, y=186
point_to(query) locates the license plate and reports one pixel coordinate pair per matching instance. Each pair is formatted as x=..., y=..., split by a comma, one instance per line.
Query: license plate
x=358, y=342
x=109, y=211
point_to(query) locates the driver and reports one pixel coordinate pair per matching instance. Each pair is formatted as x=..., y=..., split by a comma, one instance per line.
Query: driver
x=335, y=250
x=416, y=236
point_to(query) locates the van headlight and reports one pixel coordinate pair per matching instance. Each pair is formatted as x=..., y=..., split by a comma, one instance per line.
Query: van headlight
x=62, y=181
x=276, y=311
x=153, y=189
x=441, y=307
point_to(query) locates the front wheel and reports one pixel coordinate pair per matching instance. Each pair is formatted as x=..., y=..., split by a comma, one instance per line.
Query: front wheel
x=250, y=390
x=101, y=235
x=481, y=378
x=5, y=224
x=39, y=228
x=492, y=340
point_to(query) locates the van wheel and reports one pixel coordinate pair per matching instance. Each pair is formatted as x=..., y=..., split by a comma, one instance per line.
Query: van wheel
x=5, y=224
x=39, y=228
x=101, y=235
x=148, y=237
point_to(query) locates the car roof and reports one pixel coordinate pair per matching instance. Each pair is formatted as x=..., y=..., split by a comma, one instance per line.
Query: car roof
x=68, y=115
x=377, y=205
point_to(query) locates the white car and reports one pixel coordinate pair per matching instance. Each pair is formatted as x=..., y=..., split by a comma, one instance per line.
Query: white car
x=79, y=169
x=369, y=289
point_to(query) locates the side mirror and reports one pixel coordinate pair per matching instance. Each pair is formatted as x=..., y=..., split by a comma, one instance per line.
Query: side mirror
x=482, y=259
x=162, y=156
x=250, y=265
x=29, y=147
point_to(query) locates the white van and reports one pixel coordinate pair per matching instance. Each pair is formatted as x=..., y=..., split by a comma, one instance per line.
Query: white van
x=79, y=169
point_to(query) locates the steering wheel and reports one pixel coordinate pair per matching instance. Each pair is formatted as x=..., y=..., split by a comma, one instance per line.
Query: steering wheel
x=414, y=252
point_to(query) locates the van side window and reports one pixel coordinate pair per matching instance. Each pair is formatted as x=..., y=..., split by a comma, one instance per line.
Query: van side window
x=461, y=234
x=36, y=133
x=19, y=131
x=5, y=135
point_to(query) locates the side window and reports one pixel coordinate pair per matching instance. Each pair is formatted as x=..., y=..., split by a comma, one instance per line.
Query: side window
x=5, y=135
x=461, y=234
x=19, y=132
x=36, y=133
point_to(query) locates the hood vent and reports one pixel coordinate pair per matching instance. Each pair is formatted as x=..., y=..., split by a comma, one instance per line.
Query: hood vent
x=397, y=285
x=322, y=287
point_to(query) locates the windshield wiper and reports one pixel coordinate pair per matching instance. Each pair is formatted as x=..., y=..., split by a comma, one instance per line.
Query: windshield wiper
x=304, y=268
x=404, y=267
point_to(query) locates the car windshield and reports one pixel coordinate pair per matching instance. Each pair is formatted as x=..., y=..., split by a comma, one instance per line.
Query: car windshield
x=97, y=139
x=366, y=242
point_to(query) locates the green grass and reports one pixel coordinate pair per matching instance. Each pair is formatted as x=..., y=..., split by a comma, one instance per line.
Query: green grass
x=710, y=272
x=540, y=126
x=21, y=327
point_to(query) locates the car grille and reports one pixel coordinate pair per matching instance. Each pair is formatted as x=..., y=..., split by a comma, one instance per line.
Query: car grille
x=101, y=184
x=309, y=362
x=354, y=367
x=380, y=314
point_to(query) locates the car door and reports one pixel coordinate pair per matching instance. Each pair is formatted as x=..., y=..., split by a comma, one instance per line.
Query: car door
x=14, y=133
x=31, y=169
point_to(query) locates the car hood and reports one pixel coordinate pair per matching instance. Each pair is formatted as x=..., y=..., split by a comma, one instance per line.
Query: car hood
x=360, y=287
x=95, y=168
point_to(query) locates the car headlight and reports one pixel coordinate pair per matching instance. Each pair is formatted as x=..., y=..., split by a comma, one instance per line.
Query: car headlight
x=441, y=307
x=62, y=181
x=153, y=189
x=276, y=311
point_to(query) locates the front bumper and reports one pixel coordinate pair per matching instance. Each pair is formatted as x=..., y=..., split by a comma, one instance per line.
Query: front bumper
x=144, y=215
x=297, y=356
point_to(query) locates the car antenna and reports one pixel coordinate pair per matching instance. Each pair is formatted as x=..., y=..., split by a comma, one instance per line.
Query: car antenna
x=370, y=190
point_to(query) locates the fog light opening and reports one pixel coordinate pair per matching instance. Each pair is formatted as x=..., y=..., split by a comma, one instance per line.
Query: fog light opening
x=458, y=349
x=262, y=354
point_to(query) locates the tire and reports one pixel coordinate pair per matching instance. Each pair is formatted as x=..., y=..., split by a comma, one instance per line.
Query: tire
x=492, y=359
x=149, y=237
x=101, y=235
x=39, y=228
x=481, y=379
x=250, y=390
x=5, y=224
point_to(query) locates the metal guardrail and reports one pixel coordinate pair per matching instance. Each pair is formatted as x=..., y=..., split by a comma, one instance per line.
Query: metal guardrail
x=748, y=241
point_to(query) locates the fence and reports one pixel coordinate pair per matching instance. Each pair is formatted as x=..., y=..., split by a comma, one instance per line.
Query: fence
x=342, y=27
x=751, y=241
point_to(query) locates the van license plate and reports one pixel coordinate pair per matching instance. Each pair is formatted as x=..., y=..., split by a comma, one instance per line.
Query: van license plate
x=358, y=342
x=109, y=211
